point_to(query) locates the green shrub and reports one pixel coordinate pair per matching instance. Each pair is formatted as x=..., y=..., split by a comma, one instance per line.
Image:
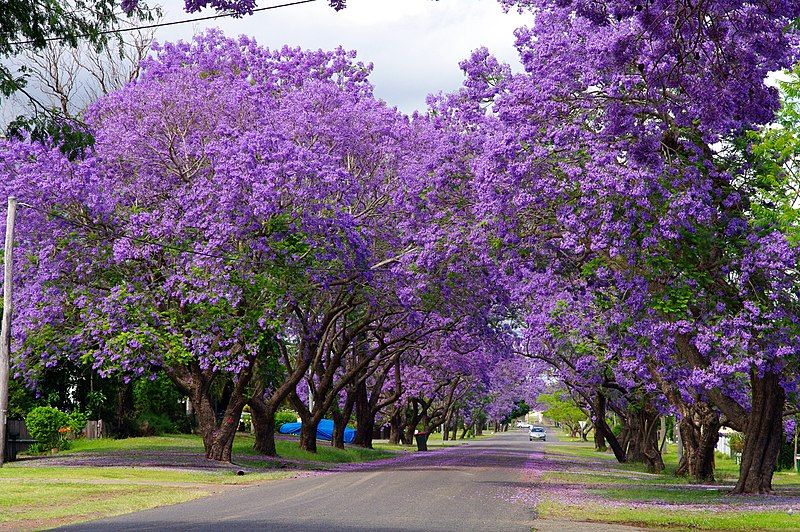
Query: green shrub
x=736, y=442
x=184, y=424
x=95, y=401
x=36, y=448
x=20, y=400
x=44, y=424
x=158, y=395
x=151, y=424
x=77, y=422
x=284, y=416
x=785, y=456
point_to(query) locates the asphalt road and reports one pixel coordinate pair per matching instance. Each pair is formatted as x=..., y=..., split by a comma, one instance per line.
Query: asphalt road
x=463, y=488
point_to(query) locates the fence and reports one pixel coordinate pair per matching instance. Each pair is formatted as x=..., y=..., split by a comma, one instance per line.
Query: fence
x=18, y=439
x=94, y=430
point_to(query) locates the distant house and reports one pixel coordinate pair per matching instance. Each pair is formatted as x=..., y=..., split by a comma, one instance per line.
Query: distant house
x=534, y=416
x=724, y=443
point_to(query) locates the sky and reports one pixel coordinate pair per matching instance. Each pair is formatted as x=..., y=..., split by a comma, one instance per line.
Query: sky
x=415, y=45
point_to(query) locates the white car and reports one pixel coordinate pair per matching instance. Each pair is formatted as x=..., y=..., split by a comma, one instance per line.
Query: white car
x=523, y=425
x=538, y=434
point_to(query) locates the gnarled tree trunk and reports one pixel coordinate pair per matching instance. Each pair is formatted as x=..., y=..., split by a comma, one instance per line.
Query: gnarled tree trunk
x=396, y=435
x=699, y=432
x=642, y=436
x=365, y=421
x=763, y=434
x=340, y=420
x=217, y=434
x=263, y=415
x=601, y=427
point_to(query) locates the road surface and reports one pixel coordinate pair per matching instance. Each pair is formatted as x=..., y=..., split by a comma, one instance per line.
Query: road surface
x=464, y=488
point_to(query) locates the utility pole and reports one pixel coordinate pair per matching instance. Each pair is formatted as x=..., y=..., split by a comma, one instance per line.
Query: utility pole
x=796, y=469
x=5, y=331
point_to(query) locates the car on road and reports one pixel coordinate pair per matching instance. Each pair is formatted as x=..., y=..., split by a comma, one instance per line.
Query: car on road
x=538, y=434
x=523, y=425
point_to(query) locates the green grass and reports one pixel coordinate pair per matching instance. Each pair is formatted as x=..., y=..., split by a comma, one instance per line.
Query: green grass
x=33, y=496
x=726, y=471
x=22, y=471
x=242, y=446
x=646, y=494
x=672, y=519
x=37, y=497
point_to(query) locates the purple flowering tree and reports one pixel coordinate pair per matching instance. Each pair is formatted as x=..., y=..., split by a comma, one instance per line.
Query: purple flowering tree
x=209, y=227
x=618, y=151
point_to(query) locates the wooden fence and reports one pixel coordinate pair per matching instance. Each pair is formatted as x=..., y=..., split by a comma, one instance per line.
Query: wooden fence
x=94, y=430
x=18, y=439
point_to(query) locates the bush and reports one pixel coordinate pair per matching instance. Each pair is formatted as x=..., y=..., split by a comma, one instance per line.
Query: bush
x=785, y=456
x=284, y=416
x=736, y=442
x=20, y=400
x=185, y=424
x=95, y=401
x=45, y=423
x=151, y=424
x=36, y=448
x=77, y=422
x=157, y=395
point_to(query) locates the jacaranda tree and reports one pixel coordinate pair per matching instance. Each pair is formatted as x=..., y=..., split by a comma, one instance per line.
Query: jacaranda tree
x=617, y=154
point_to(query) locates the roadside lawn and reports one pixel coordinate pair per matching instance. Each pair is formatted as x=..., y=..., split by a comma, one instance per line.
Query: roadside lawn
x=106, y=477
x=288, y=450
x=44, y=497
x=577, y=483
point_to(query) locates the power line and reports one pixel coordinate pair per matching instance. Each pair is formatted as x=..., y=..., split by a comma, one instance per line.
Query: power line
x=163, y=24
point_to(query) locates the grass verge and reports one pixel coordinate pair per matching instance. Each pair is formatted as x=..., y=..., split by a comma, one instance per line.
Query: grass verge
x=593, y=487
x=42, y=497
x=707, y=519
x=242, y=448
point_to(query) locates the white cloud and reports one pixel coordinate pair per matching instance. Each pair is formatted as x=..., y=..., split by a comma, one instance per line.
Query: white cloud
x=415, y=45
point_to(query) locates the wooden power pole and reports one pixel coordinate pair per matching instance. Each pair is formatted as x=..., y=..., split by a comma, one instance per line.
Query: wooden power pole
x=5, y=332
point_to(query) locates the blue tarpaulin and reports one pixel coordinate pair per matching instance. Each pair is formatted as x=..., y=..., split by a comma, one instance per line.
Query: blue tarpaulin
x=324, y=430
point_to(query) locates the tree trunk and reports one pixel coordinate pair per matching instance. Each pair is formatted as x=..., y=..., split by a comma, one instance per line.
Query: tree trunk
x=263, y=416
x=365, y=420
x=340, y=420
x=369, y=431
x=217, y=438
x=763, y=434
x=308, y=434
x=409, y=432
x=339, y=424
x=699, y=433
x=396, y=427
x=642, y=436
x=599, y=440
x=605, y=434
x=198, y=383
